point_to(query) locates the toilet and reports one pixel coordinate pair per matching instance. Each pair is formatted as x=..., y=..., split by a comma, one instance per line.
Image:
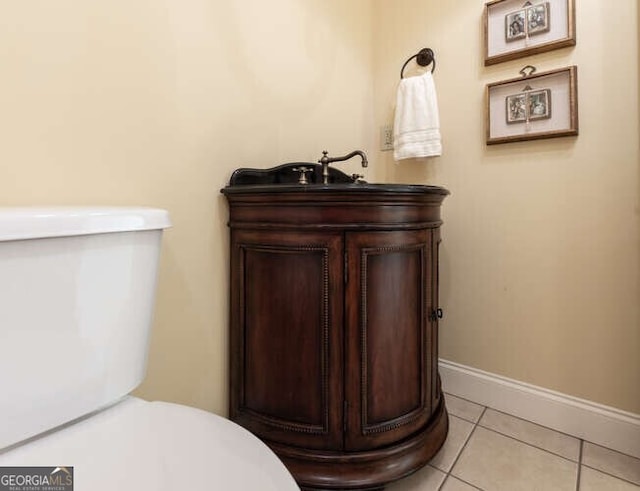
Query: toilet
x=77, y=292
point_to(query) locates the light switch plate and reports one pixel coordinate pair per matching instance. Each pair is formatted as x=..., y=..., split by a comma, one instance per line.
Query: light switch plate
x=386, y=137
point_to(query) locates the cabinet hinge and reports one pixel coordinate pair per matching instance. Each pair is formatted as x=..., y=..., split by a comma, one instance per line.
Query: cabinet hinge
x=344, y=416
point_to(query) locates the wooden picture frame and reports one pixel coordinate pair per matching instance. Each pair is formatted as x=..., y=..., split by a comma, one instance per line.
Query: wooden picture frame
x=517, y=28
x=532, y=107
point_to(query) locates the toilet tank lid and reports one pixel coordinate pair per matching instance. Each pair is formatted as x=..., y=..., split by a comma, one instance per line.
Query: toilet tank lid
x=40, y=222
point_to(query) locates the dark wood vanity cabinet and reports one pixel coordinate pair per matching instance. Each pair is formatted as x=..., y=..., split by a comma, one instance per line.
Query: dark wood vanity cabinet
x=334, y=335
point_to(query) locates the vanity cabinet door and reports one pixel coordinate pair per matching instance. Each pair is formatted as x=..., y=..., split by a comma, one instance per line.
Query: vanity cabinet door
x=434, y=313
x=391, y=376
x=287, y=337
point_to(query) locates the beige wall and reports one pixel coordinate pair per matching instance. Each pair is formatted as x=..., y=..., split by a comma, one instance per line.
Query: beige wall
x=155, y=103
x=541, y=251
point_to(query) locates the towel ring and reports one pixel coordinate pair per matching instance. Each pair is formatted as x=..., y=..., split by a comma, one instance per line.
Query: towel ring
x=423, y=58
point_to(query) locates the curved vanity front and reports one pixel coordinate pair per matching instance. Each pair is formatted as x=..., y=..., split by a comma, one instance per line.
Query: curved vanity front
x=334, y=327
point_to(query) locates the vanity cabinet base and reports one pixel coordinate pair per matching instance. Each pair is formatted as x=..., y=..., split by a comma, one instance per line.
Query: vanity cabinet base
x=334, y=328
x=369, y=470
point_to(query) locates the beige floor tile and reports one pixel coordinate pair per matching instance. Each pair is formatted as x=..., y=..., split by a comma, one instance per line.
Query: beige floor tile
x=454, y=484
x=426, y=479
x=459, y=431
x=592, y=480
x=463, y=409
x=494, y=462
x=611, y=462
x=533, y=434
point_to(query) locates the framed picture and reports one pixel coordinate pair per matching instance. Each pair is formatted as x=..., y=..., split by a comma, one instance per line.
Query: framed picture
x=527, y=21
x=513, y=28
x=529, y=105
x=532, y=107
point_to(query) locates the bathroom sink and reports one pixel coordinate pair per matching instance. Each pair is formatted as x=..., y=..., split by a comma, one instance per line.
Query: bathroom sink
x=291, y=173
x=286, y=178
x=355, y=188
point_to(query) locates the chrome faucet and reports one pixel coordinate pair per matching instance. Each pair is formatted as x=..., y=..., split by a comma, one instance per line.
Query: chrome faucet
x=325, y=161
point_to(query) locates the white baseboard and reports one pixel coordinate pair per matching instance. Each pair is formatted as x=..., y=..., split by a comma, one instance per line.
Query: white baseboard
x=596, y=423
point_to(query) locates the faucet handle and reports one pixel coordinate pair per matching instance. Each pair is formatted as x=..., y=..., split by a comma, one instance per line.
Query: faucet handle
x=303, y=174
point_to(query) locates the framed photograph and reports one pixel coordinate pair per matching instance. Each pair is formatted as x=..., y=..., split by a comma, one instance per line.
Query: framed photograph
x=526, y=22
x=517, y=28
x=532, y=107
x=515, y=25
x=538, y=19
x=529, y=105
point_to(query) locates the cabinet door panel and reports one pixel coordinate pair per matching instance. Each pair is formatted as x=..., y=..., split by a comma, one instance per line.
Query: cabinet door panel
x=288, y=381
x=433, y=298
x=277, y=281
x=389, y=343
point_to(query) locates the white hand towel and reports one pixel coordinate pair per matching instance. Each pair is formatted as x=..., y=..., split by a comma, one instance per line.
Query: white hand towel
x=416, y=127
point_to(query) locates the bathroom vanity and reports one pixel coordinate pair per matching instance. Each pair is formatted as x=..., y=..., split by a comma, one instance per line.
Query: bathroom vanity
x=334, y=323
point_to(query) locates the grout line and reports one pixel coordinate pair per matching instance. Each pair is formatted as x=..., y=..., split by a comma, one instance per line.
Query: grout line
x=464, y=445
x=612, y=450
x=581, y=446
x=451, y=476
x=463, y=418
x=462, y=480
x=620, y=478
x=529, y=444
x=602, y=471
x=464, y=399
x=470, y=402
x=579, y=460
x=535, y=424
x=579, y=465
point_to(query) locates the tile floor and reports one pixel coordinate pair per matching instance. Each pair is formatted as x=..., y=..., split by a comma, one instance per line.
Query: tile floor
x=492, y=451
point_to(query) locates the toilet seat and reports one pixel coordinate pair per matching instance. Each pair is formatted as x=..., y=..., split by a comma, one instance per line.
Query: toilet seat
x=139, y=445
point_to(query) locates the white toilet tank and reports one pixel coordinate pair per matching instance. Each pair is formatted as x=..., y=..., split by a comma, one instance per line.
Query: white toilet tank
x=77, y=291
